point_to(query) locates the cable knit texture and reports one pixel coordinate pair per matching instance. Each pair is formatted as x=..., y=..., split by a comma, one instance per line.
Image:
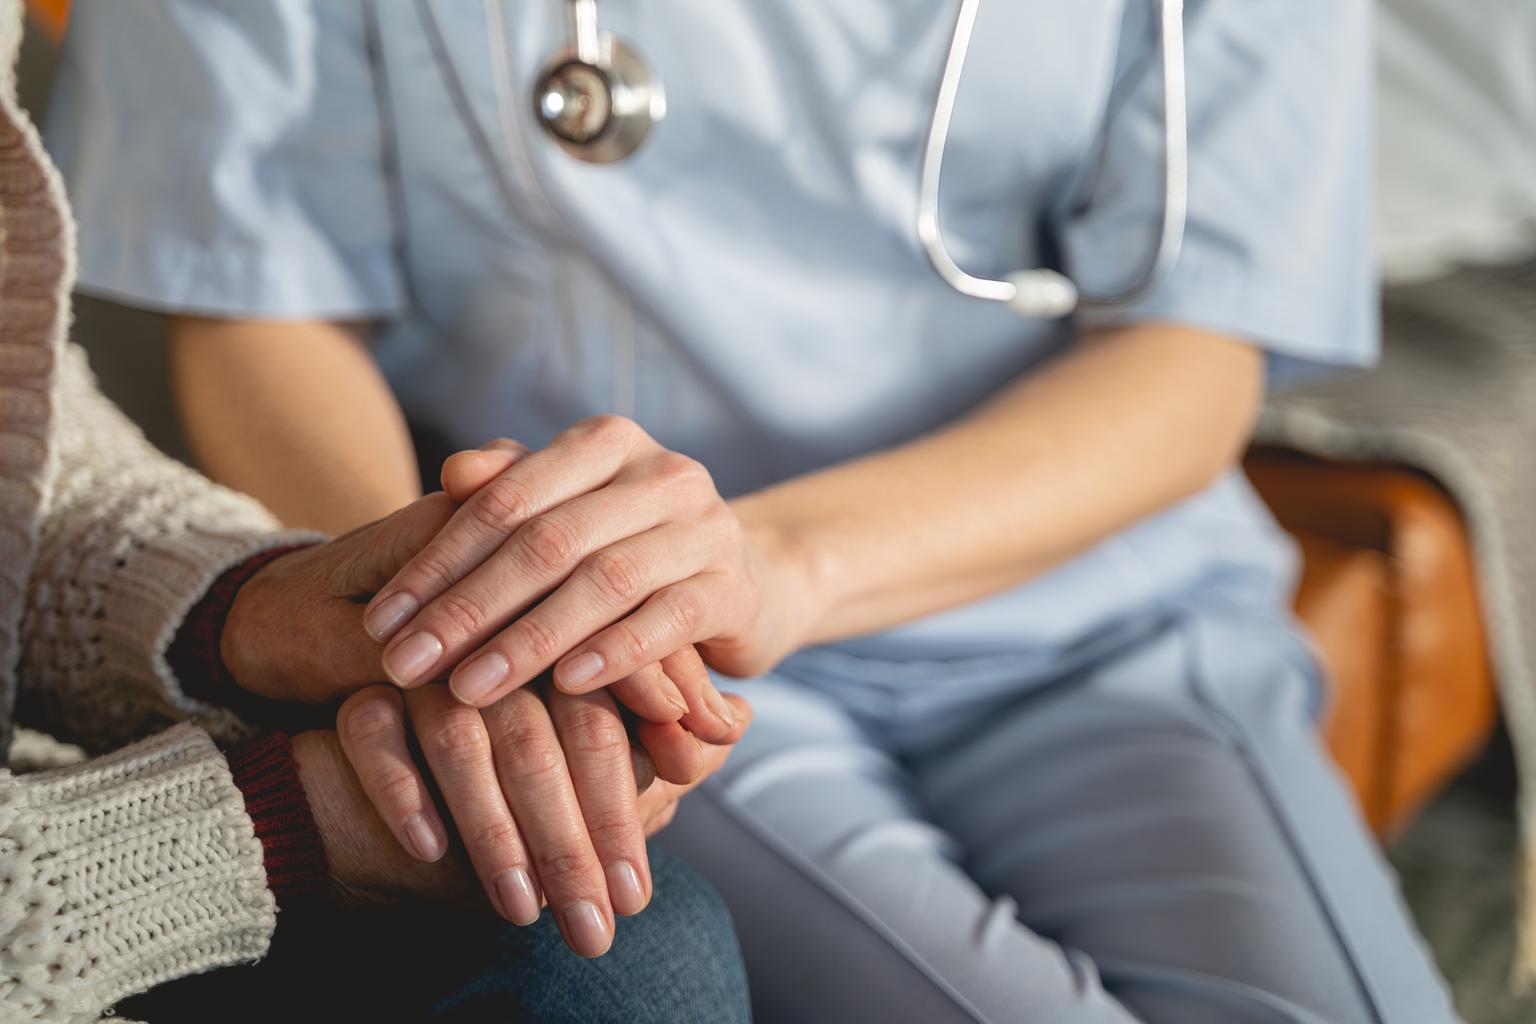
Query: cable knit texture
x=122, y=873
x=119, y=873
x=130, y=542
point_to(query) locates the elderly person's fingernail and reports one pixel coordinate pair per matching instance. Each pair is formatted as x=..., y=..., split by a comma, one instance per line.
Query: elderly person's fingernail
x=413, y=658
x=624, y=888
x=519, y=899
x=587, y=928
x=389, y=615
x=475, y=681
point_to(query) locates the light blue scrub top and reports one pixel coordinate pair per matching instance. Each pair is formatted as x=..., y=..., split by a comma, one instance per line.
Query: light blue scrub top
x=749, y=287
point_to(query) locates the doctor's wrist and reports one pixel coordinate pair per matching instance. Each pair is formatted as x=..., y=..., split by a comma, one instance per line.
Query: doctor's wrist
x=794, y=579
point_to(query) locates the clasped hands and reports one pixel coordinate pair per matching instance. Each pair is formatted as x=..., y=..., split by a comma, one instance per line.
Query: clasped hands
x=548, y=589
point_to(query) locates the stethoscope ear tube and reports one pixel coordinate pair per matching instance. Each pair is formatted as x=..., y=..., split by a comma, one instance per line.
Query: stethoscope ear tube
x=1045, y=292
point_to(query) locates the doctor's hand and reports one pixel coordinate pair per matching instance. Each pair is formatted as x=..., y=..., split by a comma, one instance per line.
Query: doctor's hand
x=542, y=789
x=596, y=556
x=295, y=633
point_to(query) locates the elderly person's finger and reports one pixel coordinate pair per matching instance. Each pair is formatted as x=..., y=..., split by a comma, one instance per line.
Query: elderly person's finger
x=371, y=726
x=536, y=782
x=455, y=741
x=597, y=751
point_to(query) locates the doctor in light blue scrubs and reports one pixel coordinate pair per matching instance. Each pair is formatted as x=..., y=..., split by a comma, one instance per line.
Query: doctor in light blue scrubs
x=1034, y=734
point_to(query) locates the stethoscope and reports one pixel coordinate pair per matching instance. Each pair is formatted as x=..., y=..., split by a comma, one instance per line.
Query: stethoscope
x=598, y=100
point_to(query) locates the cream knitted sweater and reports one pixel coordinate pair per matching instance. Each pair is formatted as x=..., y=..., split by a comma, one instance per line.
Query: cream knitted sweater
x=142, y=865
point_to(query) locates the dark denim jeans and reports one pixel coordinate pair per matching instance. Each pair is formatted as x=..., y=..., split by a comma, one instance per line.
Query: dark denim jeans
x=675, y=963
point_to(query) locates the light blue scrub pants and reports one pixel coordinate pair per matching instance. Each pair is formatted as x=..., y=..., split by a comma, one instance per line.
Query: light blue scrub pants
x=1156, y=837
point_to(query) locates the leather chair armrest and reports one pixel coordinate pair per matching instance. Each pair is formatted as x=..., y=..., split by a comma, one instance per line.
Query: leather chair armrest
x=1433, y=680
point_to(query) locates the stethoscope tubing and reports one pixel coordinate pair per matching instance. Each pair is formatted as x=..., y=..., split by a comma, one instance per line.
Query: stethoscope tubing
x=1046, y=292
x=1041, y=292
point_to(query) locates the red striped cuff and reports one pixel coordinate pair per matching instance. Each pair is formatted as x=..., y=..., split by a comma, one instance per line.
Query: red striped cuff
x=268, y=777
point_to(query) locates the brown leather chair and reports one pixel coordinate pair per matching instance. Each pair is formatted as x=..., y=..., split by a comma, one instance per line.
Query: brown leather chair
x=1389, y=593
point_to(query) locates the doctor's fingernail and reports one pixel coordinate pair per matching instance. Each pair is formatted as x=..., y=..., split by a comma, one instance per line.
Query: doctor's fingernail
x=720, y=706
x=474, y=681
x=389, y=615
x=677, y=704
x=415, y=656
x=580, y=669
x=519, y=899
x=624, y=888
x=587, y=928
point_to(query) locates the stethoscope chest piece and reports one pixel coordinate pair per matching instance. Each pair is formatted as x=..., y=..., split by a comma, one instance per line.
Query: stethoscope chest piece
x=597, y=98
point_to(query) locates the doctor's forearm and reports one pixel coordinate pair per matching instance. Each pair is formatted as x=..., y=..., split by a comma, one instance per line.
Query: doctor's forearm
x=295, y=414
x=1124, y=426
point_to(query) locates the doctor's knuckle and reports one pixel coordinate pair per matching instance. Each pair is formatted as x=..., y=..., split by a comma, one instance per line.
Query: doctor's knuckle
x=616, y=575
x=464, y=612
x=435, y=569
x=632, y=646
x=549, y=545
x=685, y=609
x=611, y=430
x=683, y=472
x=722, y=523
x=537, y=637
x=501, y=505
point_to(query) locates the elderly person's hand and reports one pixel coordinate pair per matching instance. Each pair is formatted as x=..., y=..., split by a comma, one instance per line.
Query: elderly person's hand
x=596, y=555
x=542, y=790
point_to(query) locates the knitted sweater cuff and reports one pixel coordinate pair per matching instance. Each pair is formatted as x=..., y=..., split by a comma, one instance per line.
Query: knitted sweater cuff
x=125, y=872
x=268, y=777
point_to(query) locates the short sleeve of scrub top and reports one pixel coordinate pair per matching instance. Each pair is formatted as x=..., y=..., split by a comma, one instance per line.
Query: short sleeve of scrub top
x=226, y=157
x=1279, y=243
